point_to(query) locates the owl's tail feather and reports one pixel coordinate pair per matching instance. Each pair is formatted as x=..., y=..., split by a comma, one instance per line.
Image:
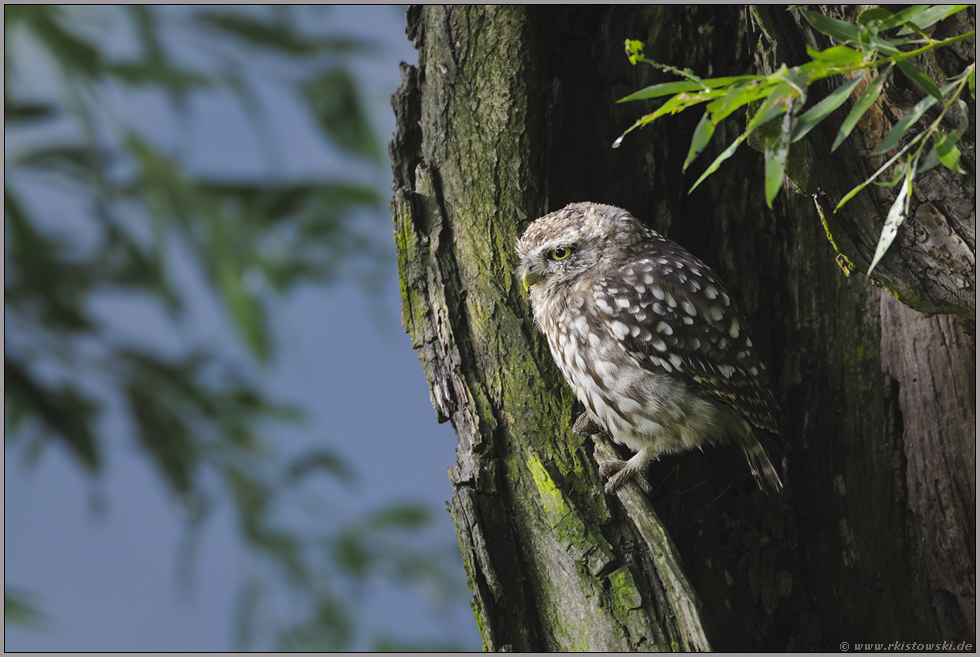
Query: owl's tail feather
x=765, y=475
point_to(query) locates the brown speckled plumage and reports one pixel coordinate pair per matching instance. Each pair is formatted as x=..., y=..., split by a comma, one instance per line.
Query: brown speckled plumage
x=647, y=337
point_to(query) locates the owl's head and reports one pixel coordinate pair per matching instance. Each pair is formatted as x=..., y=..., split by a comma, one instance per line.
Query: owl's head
x=580, y=238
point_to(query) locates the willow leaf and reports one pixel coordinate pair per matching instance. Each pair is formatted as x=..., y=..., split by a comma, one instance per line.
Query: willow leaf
x=727, y=153
x=702, y=135
x=896, y=217
x=863, y=104
x=823, y=109
x=919, y=76
x=851, y=194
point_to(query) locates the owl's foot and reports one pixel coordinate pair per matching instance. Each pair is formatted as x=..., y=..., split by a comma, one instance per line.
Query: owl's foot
x=618, y=473
x=585, y=426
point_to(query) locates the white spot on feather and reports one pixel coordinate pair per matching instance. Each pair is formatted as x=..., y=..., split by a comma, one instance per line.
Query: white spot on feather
x=605, y=369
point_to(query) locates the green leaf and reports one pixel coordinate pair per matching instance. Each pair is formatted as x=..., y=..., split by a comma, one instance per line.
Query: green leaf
x=665, y=89
x=868, y=17
x=781, y=98
x=812, y=117
x=275, y=35
x=64, y=410
x=775, y=160
x=81, y=163
x=833, y=27
x=673, y=105
x=899, y=175
x=14, y=110
x=965, y=115
x=959, y=76
x=898, y=130
x=702, y=135
x=901, y=17
x=947, y=151
x=896, y=216
x=634, y=50
x=142, y=73
x=837, y=55
x=72, y=52
x=680, y=86
x=882, y=45
x=930, y=162
x=919, y=76
x=334, y=101
x=727, y=153
x=246, y=312
x=20, y=610
x=318, y=461
x=738, y=95
x=401, y=516
x=164, y=432
x=931, y=16
x=894, y=158
x=863, y=104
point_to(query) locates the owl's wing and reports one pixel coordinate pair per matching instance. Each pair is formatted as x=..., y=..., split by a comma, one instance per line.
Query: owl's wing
x=671, y=313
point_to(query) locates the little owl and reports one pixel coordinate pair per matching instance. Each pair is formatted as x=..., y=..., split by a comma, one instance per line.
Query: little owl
x=647, y=337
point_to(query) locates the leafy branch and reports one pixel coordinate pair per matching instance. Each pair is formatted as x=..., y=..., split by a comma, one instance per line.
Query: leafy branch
x=144, y=224
x=867, y=57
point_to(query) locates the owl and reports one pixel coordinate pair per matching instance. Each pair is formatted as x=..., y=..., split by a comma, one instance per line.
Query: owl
x=647, y=337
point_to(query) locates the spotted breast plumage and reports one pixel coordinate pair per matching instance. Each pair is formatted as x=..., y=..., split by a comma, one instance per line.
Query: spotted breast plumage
x=647, y=337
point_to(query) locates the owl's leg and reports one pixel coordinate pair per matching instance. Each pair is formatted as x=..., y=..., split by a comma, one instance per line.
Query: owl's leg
x=618, y=473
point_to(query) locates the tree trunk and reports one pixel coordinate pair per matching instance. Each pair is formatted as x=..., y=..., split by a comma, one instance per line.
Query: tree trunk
x=509, y=115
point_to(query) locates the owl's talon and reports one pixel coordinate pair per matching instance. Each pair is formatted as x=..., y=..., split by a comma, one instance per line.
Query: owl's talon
x=618, y=473
x=585, y=426
x=609, y=468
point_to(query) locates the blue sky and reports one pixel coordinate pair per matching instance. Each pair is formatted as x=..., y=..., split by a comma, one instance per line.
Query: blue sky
x=102, y=556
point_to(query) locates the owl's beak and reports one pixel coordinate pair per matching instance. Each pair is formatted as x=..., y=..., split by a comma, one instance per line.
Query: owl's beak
x=529, y=278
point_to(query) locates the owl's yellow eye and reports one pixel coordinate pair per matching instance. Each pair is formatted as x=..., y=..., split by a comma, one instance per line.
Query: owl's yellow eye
x=560, y=253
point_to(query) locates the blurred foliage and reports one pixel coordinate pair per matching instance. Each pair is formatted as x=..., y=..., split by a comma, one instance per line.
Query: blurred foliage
x=879, y=40
x=20, y=609
x=136, y=216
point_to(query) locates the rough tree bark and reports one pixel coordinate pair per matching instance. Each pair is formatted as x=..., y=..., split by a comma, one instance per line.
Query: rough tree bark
x=509, y=115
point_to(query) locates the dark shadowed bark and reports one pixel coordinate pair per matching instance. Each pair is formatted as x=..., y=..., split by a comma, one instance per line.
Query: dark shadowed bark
x=510, y=114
